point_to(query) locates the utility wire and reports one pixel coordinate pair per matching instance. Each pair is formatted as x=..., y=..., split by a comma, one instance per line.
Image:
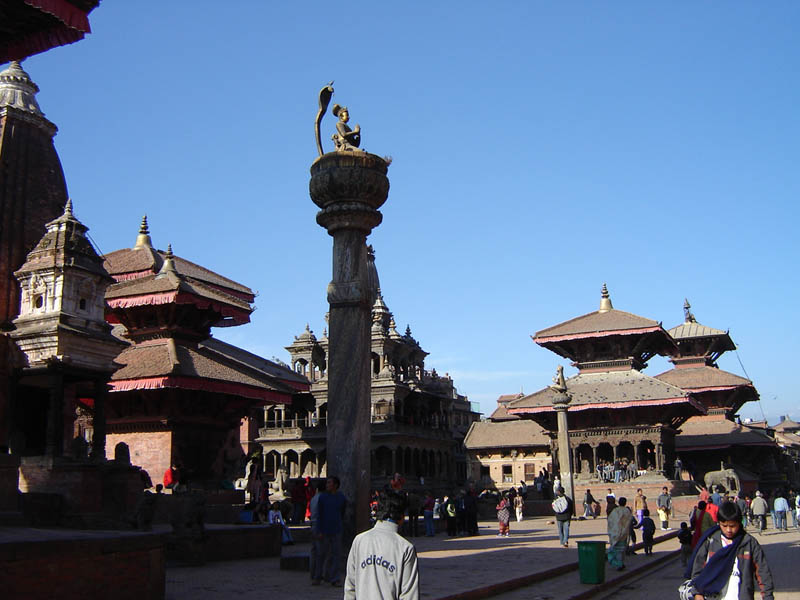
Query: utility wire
x=760, y=406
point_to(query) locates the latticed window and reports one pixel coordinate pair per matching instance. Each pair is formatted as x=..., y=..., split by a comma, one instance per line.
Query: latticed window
x=530, y=471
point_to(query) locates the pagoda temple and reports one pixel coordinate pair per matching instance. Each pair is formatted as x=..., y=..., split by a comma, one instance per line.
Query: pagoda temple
x=715, y=440
x=616, y=411
x=179, y=396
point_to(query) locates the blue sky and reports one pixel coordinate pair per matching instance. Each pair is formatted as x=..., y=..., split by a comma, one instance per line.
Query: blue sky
x=540, y=149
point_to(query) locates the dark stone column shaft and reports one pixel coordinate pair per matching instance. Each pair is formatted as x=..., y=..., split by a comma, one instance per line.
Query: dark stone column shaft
x=349, y=378
x=99, y=421
x=55, y=417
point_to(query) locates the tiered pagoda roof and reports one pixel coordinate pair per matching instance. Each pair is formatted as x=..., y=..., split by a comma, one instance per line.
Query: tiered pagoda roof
x=167, y=305
x=697, y=349
x=607, y=338
x=29, y=27
x=787, y=425
x=612, y=390
x=609, y=347
x=709, y=433
x=167, y=363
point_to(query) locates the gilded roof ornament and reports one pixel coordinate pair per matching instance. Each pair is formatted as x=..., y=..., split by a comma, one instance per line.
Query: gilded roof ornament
x=143, y=239
x=169, y=265
x=605, y=300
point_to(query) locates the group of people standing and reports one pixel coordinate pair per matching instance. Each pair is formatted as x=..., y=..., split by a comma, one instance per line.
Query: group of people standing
x=721, y=558
x=512, y=499
x=618, y=470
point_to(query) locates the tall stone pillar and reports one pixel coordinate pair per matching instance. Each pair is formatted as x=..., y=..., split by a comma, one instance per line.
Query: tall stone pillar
x=561, y=404
x=349, y=187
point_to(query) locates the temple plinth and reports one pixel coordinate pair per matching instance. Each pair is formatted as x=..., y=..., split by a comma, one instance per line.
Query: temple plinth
x=349, y=188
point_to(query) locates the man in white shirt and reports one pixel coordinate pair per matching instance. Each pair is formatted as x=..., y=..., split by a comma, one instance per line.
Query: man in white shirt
x=382, y=563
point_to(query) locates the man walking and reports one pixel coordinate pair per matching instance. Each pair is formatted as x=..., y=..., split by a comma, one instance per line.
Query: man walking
x=588, y=505
x=781, y=508
x=329, y=527
x=759, y=509
x=619, y=524
x=381, y=563
x=563, y=506
x=664, y=506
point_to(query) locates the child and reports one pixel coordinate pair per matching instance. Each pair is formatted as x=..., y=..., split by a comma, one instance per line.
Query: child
x=648, y=530
x=276, y=518
x=728, y=557
x=685, y=538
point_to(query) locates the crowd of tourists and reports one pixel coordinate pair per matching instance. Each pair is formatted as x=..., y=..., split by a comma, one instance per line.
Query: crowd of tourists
x=716, y=523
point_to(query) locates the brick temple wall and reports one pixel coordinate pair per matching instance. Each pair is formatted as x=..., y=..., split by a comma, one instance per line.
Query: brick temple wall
x=92, y=566
x=151, y=450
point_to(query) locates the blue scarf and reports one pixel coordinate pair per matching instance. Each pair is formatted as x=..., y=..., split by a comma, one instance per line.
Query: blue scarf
x=718, y=569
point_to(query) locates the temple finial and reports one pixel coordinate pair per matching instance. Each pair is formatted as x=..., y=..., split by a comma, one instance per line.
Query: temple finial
x=688, y=316
x=605, y=300
x=143, y=239
x=169, y=265
x=68, y=208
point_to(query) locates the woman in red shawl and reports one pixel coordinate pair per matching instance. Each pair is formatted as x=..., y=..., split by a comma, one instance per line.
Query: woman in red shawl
x=308, y=487
x=701, y=521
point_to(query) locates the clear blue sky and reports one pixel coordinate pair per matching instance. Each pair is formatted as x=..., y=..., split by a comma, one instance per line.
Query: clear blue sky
x=540, y=149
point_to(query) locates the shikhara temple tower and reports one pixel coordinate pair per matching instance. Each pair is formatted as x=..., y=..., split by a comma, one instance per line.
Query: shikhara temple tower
x=32, y=186
x=32, y=192
x=616, y=410
x=67, y=345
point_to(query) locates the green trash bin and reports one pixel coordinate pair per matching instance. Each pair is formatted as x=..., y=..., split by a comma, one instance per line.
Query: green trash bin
x=592, y=562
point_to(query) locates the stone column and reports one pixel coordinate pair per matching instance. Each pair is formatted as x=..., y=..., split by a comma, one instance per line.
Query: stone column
x=560, y=405
x=349, y=187
x=594, y=458
x=55, y=417
x=99, y=421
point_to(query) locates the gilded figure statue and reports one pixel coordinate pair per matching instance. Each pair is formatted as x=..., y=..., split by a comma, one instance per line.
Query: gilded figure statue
x=345, y=139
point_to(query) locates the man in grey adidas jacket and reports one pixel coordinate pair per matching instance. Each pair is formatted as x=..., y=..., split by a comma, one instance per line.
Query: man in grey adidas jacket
x=382, y=565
